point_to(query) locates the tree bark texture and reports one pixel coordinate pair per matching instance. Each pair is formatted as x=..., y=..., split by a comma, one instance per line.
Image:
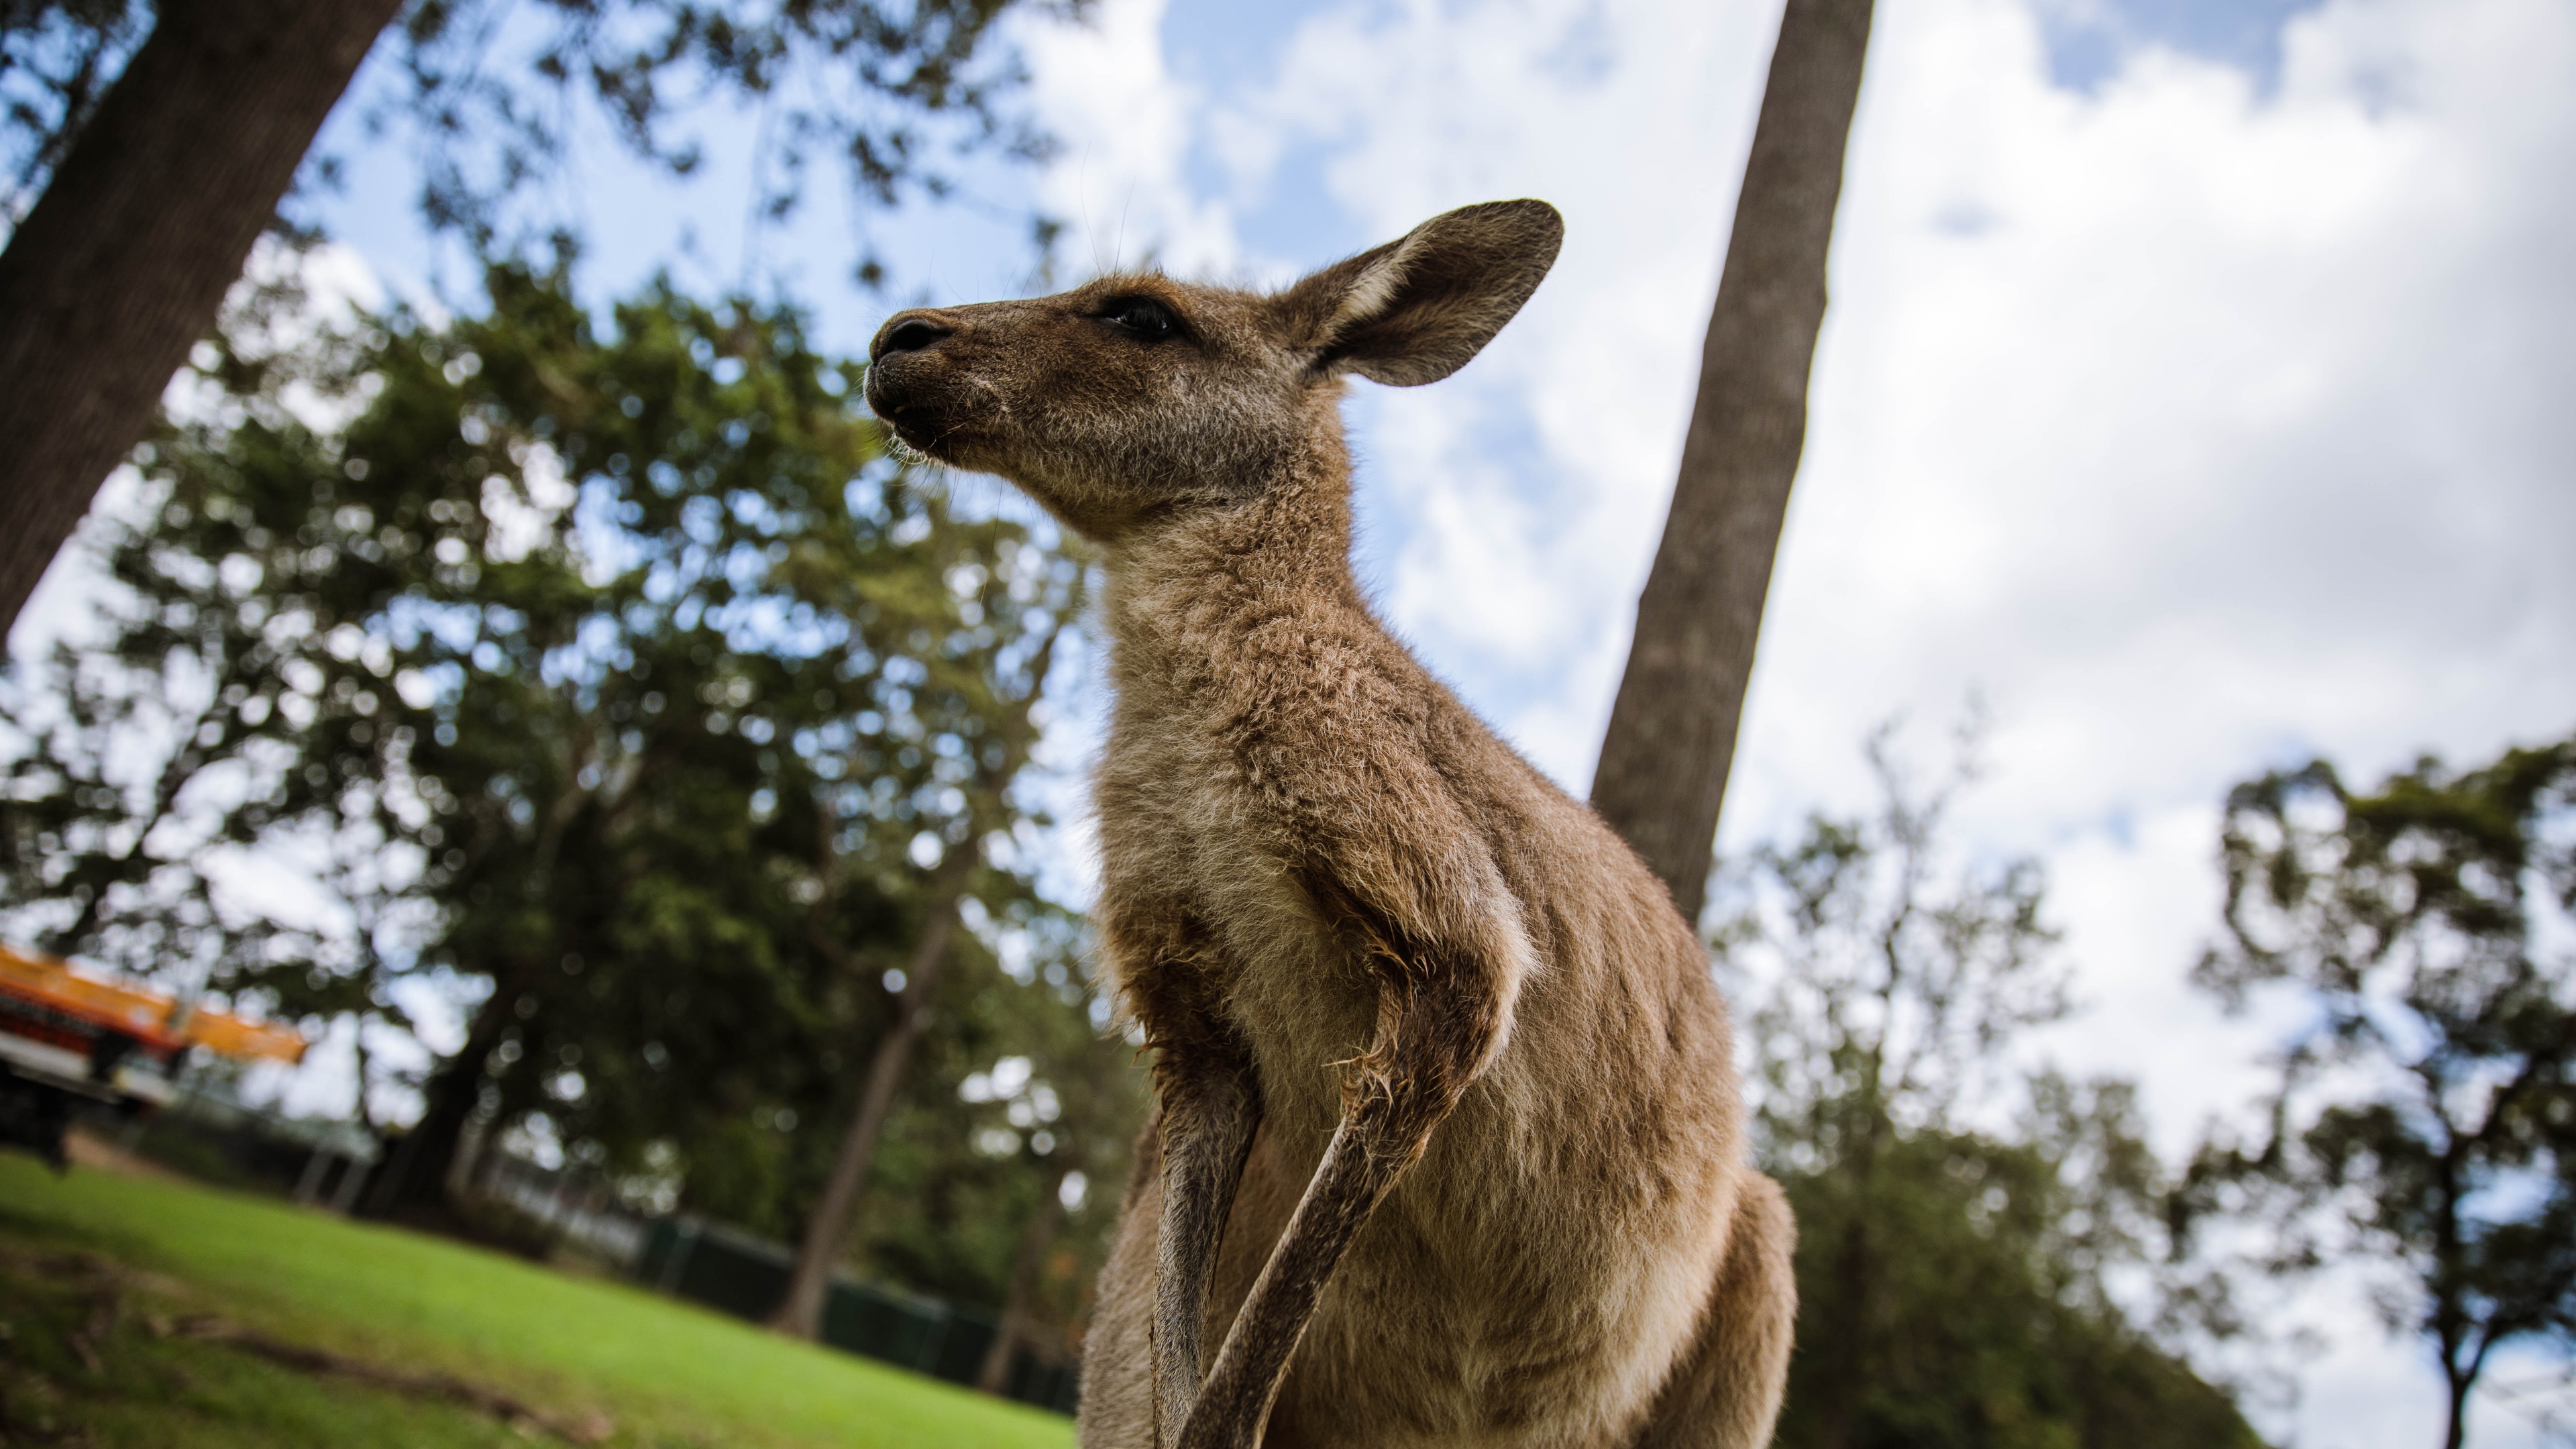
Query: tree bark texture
x=1664, y=760
x=1856, y=1283
x=124, y=261
x=1035, y=1239
x=414, y=1177
x=809, y=1280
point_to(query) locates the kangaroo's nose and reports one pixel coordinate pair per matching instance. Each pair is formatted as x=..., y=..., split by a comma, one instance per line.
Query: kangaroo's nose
x=910, y=332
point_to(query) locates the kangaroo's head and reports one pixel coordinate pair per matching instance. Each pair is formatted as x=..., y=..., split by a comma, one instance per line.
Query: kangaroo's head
x=1138, y=398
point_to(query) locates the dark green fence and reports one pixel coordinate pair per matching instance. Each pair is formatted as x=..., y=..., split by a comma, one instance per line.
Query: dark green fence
x=745, y=1276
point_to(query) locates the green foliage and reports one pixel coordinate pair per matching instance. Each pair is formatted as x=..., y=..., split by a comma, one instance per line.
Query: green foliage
x=1960, y=1216
x=1952, y=1292
x=613, y=685
x=1036, y=1096
x=671, y=1376
x=878, y=85
x=2424, y=1120
x=493, y=97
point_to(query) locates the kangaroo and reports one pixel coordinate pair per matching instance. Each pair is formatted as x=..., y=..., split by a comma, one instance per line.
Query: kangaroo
x=1448, y=1146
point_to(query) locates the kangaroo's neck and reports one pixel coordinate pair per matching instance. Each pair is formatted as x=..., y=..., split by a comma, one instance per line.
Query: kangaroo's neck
x=1186, y=592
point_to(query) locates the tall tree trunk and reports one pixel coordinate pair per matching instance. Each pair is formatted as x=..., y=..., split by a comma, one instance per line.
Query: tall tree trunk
x=2462, y=1380
x=124, y=261
x=1664, y=761
x=800, y=1310
x=1035, y=1239
x=809, y=1279
x=421, y=1168
x=416, y=1175
x=1848, y=1319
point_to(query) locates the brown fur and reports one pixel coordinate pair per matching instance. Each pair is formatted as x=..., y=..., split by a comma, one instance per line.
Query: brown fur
x=1449, y=1148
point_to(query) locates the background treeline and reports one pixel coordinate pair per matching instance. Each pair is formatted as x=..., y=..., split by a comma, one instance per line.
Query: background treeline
x=599, y=688
x=1992, y=1253
x=608, y=692
x=1980, y=1255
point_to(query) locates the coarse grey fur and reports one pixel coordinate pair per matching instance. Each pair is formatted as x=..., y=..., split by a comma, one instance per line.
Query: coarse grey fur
x=1449, y=1148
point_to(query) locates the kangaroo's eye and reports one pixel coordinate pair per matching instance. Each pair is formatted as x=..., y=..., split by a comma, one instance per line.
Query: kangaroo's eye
x=1142, y=316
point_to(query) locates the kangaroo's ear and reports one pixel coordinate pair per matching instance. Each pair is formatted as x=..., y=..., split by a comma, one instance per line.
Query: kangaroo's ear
x=1415, y=310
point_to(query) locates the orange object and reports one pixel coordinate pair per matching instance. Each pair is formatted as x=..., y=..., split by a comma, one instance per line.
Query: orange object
x=158, y=1020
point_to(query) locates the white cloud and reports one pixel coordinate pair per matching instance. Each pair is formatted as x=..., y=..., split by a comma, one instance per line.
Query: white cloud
x=1124, y=123
x=2200, y=426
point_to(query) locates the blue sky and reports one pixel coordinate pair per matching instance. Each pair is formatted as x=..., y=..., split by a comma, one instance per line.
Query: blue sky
x=638, y=221
x=2087, y=42
x=2193, y=390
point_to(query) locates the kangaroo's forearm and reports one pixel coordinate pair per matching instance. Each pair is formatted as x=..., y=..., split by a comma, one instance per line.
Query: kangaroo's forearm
x=1210, y=1113
x=1235, y=1402
x=1433, y=1031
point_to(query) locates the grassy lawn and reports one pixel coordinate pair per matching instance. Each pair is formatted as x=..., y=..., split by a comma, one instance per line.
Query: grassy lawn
x=96, y=1269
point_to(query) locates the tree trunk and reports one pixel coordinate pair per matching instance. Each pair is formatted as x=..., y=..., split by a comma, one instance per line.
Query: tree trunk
x=995, y=1375
x=415, y=1176
x=809, y=1280
x=2462, y=1380
x=125, y=259
x=1664, y=761
x=1848, y=1320
x=800, y=1310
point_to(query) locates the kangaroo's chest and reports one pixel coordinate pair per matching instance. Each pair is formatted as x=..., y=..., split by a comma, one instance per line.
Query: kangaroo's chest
x=1525, y=1274
x=1204, y=899
x=1176, y=816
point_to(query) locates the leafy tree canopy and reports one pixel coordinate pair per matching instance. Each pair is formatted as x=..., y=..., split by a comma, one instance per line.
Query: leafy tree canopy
x=492, y=94
x=609, y=684
x=1962, y=1216
x=2423, y=1120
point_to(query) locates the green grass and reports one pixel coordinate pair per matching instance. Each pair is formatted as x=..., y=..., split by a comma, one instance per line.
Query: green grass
x=668, y=1374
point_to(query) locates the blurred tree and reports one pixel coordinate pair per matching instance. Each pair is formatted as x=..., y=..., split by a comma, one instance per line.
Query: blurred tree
x=2424, y=1121
x=1099, y=1102
x=361, y=856
x=146, y=157
x=1960, y=1215
x=1044, y=1111
x=167, y=727
x=1011, y=728
x=1661, y=778
x=621, y=676
x=56, y=63
x=104, y=844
